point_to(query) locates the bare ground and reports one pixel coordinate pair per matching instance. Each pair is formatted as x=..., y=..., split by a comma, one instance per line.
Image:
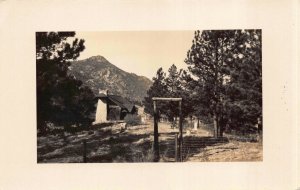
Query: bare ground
x=134, y=144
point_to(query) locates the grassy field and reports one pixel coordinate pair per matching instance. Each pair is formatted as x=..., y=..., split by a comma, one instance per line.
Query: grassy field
x=115, y=143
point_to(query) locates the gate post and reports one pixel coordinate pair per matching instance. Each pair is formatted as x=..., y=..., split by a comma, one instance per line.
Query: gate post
x=84, y=151
x=156, y=146
x=176, y=147
x=180, y=132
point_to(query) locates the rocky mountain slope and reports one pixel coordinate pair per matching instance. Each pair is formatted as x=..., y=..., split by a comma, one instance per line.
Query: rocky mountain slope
x=99, y=74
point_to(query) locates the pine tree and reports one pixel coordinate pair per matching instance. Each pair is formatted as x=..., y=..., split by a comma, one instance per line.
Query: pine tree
x=206, y=60
x=185, y=93
x=173, y=85
x=172, y=80
x=158, y=89
x=61, y=99
x=226, y=69
x=244, y=89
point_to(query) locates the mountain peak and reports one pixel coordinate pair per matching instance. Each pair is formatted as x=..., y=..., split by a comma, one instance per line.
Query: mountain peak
x=98, y=58
x=98, y=73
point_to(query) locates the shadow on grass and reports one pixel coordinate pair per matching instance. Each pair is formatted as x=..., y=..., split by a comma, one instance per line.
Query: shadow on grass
x=107, y=146
x=121, y=148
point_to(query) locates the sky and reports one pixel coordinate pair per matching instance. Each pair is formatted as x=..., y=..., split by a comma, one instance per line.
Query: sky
x=139, y=52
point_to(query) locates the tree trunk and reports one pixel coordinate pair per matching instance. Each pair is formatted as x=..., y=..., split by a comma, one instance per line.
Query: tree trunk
x=215, y=118
x=221, y=131
x=221, y=123
x=218, y=127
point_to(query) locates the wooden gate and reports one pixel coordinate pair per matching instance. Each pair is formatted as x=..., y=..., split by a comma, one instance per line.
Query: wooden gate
x=178, y=146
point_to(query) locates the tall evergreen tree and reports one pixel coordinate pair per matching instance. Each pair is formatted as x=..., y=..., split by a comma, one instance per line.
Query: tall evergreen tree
x=185, y=93
x=172, y=80
x=61, y=99
x=206, y=60
x=173, y=85
x=158, y=89
x=243, y=103
x=221, y=62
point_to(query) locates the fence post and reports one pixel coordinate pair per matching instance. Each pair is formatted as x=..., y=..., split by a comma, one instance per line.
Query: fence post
x=156, y=146
x=176, y=147
x=180, y=132
x=84, y=151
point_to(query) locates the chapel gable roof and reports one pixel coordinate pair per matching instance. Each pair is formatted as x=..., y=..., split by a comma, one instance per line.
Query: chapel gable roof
x=118, y=100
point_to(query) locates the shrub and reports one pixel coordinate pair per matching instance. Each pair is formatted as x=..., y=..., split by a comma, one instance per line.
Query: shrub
x=139, y=154
x=174, y=125
x=133, y=119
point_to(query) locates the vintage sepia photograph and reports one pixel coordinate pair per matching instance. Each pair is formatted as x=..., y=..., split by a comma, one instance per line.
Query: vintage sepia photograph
x=149, y=96
x=130, y=94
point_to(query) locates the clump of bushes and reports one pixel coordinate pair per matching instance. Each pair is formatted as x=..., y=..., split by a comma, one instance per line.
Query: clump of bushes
x=132, y=120
x=140, y=154
x=174, y=124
